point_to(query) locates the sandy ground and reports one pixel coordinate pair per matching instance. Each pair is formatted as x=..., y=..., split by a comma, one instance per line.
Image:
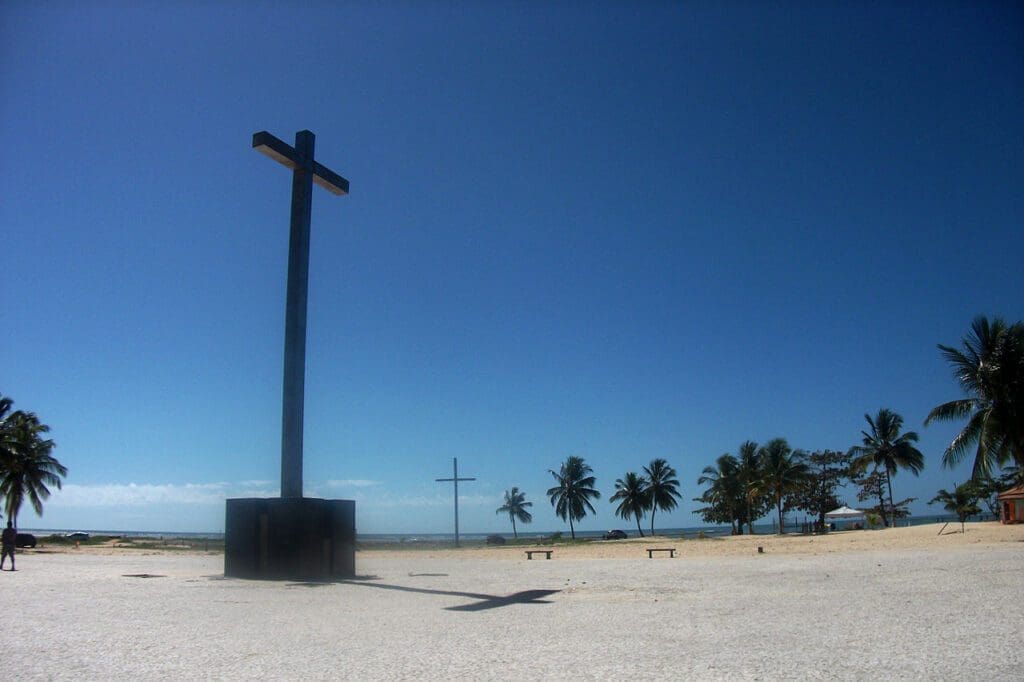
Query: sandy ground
x=897, y=605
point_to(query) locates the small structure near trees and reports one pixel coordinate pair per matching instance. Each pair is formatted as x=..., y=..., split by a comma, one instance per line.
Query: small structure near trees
x=1011, y=505
x=845, y=513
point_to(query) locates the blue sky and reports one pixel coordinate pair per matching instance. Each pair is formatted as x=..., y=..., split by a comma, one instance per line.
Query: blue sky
x=616, y=230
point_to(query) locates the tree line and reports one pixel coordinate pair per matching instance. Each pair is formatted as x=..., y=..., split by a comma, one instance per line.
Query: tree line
x=637, y=494
x=988, y=365
x=758, y=479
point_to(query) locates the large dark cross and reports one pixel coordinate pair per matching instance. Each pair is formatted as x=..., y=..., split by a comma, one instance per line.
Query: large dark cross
x=455, y=478
x=305, y=171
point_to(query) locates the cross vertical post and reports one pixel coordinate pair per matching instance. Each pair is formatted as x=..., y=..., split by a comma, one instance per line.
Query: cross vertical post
x=294, y=391
x=455, y=478
x=305, y=171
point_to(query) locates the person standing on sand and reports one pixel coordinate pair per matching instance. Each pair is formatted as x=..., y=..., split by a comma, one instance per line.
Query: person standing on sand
x=9, y=537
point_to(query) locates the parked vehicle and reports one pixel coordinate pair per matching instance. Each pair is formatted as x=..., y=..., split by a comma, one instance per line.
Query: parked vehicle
x=615, y=535
x=79, y=535
x=25, y=540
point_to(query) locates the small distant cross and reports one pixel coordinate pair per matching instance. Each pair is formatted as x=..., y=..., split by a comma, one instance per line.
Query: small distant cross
x=455, y=479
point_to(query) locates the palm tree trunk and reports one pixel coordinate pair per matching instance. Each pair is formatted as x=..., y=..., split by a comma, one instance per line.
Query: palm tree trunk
x=572, y=531
x=750, y=518
x=892, y=504
x=881, y=503
x=778, y=503
x=638, y=529
x=653, y=509
x=514, y=534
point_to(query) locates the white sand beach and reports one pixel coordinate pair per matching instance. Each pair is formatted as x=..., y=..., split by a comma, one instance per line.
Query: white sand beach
x=894, y=604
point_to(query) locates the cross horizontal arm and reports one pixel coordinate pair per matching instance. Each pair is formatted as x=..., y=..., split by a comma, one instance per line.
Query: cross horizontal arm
x=285, y=154
x=279, y=151
x=329, y=180
x=442, y=480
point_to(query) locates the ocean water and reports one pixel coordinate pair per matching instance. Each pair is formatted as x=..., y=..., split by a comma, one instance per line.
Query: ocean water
x=793, y=525
x=158, y=535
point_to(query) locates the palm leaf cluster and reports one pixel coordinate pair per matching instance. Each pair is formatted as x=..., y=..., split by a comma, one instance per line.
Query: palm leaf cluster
x=887, y=450
x=573, y=491
x=27, y=466
x=662, y=486
x=515, y=506
x=989, y=366
x=633, y=496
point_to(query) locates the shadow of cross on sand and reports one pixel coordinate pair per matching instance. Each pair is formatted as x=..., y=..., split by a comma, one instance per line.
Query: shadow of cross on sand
x=486, y=601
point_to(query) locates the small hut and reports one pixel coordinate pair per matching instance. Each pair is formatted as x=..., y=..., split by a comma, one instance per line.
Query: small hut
x=1011, y=505
x=844, y=513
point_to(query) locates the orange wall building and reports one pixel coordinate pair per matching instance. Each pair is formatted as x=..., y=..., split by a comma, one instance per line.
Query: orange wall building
x=1011, y=505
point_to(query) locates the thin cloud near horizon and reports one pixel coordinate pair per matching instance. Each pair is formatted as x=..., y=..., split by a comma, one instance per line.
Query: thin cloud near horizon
x=143, y=494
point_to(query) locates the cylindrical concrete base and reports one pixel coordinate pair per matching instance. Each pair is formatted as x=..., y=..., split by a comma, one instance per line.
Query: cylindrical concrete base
x=290, y=538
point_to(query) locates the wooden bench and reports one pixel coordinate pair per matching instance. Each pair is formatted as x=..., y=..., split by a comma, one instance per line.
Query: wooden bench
x=531, y=552
x=671, y=551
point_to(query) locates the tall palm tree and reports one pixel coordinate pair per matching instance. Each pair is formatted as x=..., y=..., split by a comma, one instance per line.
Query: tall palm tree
x=725, y=491
x=990, y=369
x=782, y=473
x=571, y=496
x=515, y=506
x=27, y=466
x=633, y=497
x=662, y=486
x=963, y=501
x=888, y=450
x=748, y=474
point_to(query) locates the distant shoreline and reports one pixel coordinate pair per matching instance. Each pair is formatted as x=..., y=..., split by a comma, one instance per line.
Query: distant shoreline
x=760, y=529
x=945, y=535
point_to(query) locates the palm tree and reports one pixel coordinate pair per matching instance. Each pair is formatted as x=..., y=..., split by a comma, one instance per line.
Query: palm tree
x=725, y=491
x=963, y=501
x=27, y=466
x=635, y=498
x=748, y=474
x=782, y=472
x=888, y=449
x=990, y=370
x=571, y=497
x=662, y=486
x=515, y=506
